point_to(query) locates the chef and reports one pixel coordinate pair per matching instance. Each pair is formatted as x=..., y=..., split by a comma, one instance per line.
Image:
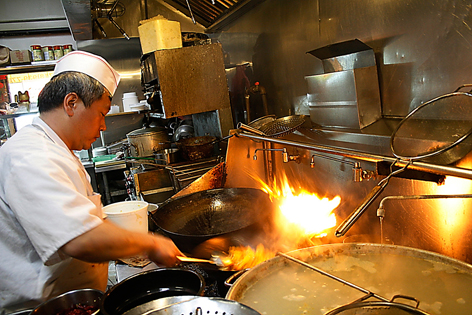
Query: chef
x=52, y=235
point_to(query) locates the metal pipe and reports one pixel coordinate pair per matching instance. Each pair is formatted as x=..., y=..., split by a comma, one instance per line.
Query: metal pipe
x=281, y=150
x=381, y=209
x=419, y=166
x=357, y=170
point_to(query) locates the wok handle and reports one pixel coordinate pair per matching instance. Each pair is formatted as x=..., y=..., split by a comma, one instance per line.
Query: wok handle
x=347, y=223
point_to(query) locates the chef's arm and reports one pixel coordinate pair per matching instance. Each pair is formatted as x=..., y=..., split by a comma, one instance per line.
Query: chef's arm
x=110, y=242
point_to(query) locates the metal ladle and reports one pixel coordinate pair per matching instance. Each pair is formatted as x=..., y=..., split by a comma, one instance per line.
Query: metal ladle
x=352, y=285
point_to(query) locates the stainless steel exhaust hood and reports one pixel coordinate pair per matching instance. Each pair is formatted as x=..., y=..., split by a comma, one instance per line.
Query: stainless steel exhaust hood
x=32, y=17
x=212, y=14
x=79, y=17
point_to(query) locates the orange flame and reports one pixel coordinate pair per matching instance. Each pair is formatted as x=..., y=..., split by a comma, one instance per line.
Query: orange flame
x=302, y=215
x=304, y=211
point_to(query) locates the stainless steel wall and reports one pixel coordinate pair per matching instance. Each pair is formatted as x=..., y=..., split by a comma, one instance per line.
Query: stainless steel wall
x=423, y=49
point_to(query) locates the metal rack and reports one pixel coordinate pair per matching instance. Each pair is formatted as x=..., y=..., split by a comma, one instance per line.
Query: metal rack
x=184, y=174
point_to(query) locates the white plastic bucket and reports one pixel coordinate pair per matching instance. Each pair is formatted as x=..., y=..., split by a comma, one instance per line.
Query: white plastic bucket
x=130, y=215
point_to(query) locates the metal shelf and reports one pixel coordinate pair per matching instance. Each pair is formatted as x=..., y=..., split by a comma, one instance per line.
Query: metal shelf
x=36, y=67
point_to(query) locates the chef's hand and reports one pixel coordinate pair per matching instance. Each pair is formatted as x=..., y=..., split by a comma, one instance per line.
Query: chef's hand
x=164, y=251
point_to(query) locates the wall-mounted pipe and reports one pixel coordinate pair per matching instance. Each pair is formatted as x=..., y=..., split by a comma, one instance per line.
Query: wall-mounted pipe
x=419, y=166
x=357, y=169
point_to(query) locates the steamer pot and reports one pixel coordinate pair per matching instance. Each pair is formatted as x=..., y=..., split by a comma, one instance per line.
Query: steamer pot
x=145, y=141
x=441, y=284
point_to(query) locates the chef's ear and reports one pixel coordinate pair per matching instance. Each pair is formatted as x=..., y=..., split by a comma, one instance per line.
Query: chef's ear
x=70, y=103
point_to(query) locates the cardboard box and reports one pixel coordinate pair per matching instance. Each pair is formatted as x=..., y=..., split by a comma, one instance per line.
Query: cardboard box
x=20, y=56
x=159, y=33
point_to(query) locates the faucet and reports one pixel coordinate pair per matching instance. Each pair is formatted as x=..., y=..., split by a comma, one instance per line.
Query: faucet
x=285, y=156
x=381, y=208
x=359, y=174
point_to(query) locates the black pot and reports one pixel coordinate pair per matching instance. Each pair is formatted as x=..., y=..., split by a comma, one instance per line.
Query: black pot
x=151, y=285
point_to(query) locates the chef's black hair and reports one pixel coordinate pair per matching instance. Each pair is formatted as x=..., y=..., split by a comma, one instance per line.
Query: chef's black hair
x=52, y=95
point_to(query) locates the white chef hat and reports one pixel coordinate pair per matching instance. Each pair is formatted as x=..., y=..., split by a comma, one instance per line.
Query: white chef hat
x=92, y=65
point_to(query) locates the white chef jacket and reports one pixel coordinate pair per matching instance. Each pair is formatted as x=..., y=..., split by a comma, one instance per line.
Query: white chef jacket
x=46, y=200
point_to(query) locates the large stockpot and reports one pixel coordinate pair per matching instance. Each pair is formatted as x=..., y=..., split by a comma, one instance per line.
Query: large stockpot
x=192, y=219
x=441, y=284
x=145, y=141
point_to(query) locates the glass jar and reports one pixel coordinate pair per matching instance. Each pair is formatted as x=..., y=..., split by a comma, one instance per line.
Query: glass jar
x=37, y=53
x=67, y=49
x=48, y=52
x=58, y=52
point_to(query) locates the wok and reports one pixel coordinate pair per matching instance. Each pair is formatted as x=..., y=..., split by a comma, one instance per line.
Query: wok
x=192, y=219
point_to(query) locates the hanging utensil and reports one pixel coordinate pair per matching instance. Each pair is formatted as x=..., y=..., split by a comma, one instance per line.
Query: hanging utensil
x=259, y=122
x=250, y=129
x=283, y=126
x=191, y=13
x=277, y=128
x=356, y=214
x=110, y=17
x=438, y=131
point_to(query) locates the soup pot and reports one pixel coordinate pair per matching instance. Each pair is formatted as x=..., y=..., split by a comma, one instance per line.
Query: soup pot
x=438, y=282
x=145, y=141
x=150, y=285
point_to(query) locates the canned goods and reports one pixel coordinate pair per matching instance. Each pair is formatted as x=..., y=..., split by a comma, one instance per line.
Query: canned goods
x=37, y=53
x=48, y=52
x=67, y=49
x=58, y=52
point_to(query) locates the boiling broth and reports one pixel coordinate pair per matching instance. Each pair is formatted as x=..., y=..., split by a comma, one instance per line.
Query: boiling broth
x=290, y=288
